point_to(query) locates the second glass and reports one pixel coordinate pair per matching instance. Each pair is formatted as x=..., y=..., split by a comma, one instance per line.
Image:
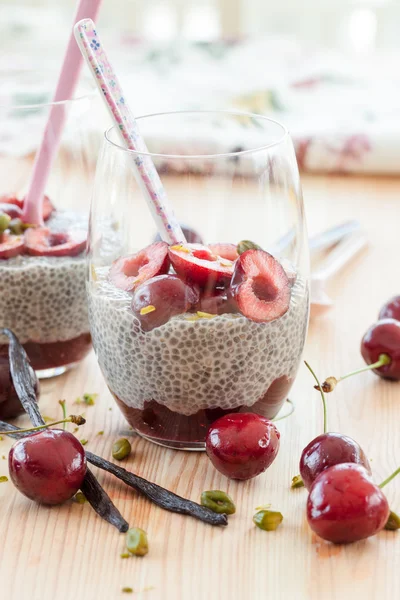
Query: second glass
x=187, y=333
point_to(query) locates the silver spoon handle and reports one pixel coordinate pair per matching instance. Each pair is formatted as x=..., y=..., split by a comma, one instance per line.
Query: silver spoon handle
x=351, y=245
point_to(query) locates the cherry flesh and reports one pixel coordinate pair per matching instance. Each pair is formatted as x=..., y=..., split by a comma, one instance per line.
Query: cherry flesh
x=344, y=504
x=326, y=450
x=129, y=272
x=383, y=338
x=242, y=445
x=160, y=298
x=48, y=467
x=11, y=245
x=13, y=201
x=197, y=265
x=260, y=286
x=391, y=310
x=43, y=242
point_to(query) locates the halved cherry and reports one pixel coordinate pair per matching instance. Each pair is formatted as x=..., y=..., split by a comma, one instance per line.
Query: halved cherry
x=48, y=207
x=197, y=264
x=128, y=272
x=11, y=245
x=227, y=251
x=43, y=242
x=260, y=286
x=12, y=210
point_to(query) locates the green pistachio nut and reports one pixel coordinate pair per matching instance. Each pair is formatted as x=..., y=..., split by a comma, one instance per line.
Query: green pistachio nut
x=219, y=502
x=121, y=449
x=136, y=541
x=268, y=520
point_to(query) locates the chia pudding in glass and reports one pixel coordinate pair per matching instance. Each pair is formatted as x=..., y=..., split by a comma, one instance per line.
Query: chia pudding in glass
x=42, y=267
x=187, y=332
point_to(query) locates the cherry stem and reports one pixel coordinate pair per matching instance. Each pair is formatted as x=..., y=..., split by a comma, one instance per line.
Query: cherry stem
x=78, y=420
x=392, y=476
x=322, y=395
x=384, y=359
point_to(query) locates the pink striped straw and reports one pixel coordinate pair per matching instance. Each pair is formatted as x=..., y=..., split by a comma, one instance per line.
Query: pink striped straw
x=68, y=78
x=128, y=131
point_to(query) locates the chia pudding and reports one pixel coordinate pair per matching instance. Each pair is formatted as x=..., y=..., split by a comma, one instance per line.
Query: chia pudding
x=43, y=297
x=174, y=371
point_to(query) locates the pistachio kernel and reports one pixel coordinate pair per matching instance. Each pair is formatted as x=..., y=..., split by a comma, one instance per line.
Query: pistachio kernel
x=393, y=521
x=136, y=541
x=297, y=482
x=4, y=221
x=247, y=245
x=268, y=520
x=121, y=449
x=219, y=502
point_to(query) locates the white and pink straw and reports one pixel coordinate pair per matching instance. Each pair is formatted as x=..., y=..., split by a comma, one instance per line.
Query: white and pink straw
x=69, y=75
x=128, y=131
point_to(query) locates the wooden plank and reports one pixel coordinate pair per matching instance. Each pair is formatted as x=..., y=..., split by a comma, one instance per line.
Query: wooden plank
x=67, y=552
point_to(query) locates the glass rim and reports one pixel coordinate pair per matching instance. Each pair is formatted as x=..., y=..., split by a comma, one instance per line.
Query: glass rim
x=282, y=138
x=36, y=105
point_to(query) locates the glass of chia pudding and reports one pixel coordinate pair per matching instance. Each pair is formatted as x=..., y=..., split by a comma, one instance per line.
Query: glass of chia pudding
x=187, y=332
x=42, y=268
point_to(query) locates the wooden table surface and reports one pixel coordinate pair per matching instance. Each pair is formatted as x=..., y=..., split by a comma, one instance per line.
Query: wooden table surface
x=68, y=552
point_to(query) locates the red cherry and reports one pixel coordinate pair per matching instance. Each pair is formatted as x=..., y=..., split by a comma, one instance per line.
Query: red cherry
x=48, y=207
x=260, y=286
x=166, y=296
x=242, y=445
x=344, y=505
x=391, y=310
x=217, y=302
x=41, y=241
x=196, y=264
x=128, y=272
x=227, y=251
x=383, y=338
x=48, y=466
x=11, y=245
x=326, y=450
x=13, y=211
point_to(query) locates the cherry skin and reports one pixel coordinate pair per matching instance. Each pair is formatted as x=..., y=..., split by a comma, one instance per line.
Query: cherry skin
x=383, y=338
x=391, y=310
x=242, y=445
x=166, y=296
x=326, y=450
x=48, y=467
x=344, y=505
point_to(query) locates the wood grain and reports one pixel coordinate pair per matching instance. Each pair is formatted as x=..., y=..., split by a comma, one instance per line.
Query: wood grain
x=67, y=552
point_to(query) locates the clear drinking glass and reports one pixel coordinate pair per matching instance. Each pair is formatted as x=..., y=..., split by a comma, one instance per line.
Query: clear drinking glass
x=212, y=333
x=43, y=298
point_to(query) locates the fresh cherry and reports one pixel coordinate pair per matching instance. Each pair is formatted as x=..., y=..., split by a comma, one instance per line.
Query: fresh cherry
x=383, y=338
x=13, y=201
x=391, y=310
x=227, y=251
x=43, y=242
x=48, y=466
x=344, y=504
x=198, y=265
x=11, y=245
x=242, y=445
x=129, y=272
x=260, y=286
x=326, y=450
x=217, y=302
x=160, y=298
